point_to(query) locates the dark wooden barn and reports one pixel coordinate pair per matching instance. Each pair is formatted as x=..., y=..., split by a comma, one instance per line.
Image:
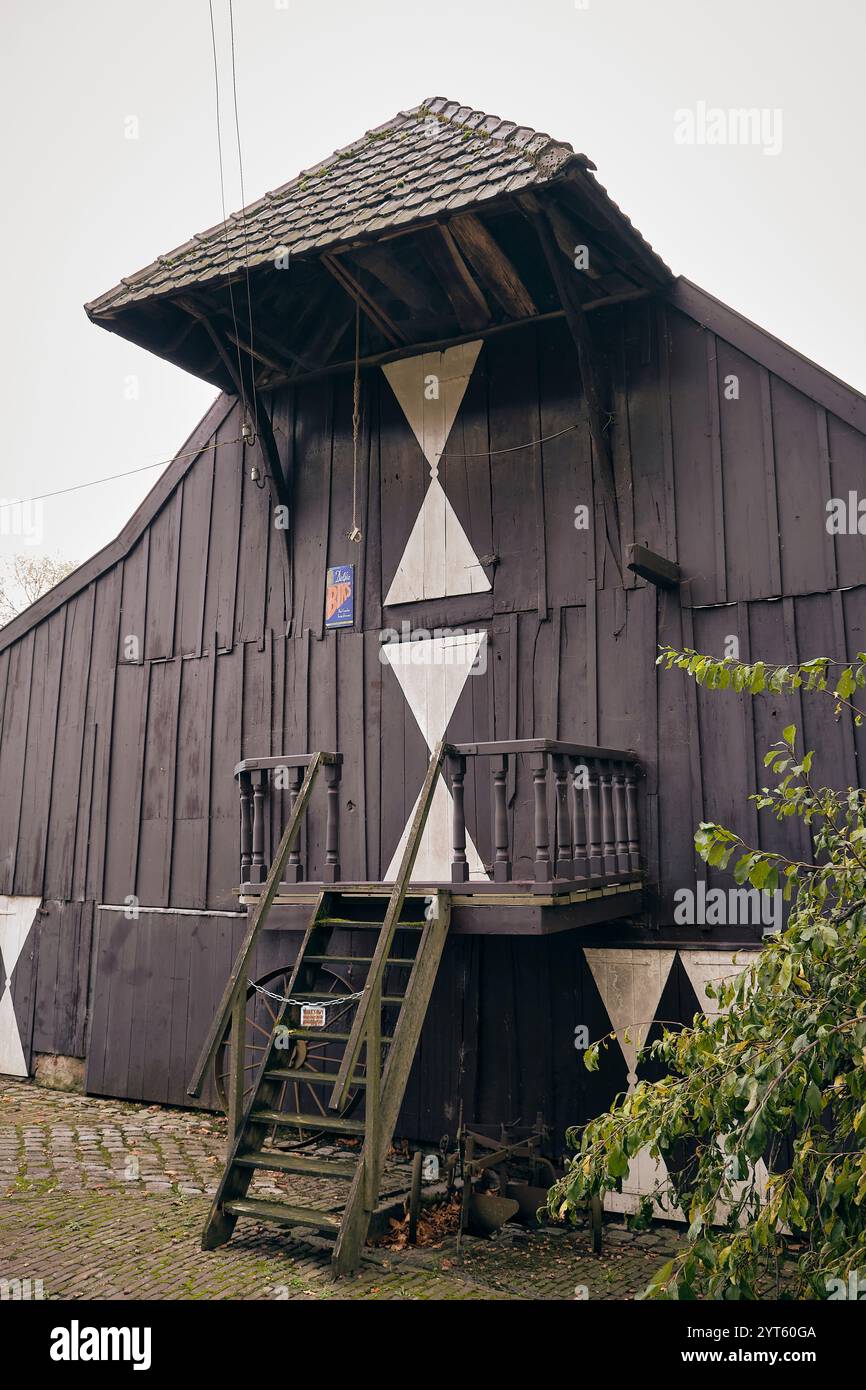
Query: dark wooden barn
x=477, y=453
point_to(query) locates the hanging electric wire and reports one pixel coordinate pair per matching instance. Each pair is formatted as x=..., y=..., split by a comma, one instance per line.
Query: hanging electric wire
x=243, y=214
x=512, y=448
x=225, y=215
x=355, y=533
x=112, y=477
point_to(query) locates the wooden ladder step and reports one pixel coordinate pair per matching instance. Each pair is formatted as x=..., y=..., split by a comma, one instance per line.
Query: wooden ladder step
x=354, y=922
x=329, y=1122
x=358, y=960
x=276, y=1162
x=325, y=1036
x=320, y=1078
x=284, y=1215
x=318, y=998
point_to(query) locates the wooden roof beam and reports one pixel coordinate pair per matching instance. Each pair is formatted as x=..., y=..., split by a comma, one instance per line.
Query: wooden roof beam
x=278, y=350
x=365, y=301
x=589, y=193
x=611, y=257
x=180, y=337
x=274, y=363
x=325, y=338
x=277, y=356
x=569, y=237
x=470, y=307
x=378, y=359
x=490, y=263
x=387, y=269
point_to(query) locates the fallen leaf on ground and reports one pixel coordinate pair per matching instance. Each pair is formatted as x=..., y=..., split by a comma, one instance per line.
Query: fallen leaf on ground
x=434, y=1224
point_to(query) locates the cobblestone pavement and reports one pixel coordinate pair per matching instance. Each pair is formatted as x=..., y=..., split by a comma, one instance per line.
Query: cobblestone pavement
x=106, y=1200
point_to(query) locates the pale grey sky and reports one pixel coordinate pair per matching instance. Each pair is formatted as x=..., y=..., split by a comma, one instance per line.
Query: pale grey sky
x=779, y=237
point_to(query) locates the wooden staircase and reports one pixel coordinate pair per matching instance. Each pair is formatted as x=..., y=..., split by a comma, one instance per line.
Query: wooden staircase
x=369, y=1057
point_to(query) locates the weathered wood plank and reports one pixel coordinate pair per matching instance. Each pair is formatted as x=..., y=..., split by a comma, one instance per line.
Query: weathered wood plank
x=39, y=755
x=70, y=771
x=162, y=574
x=194, y=555
x=222, y=571
x=487, y=258
x=12, y=754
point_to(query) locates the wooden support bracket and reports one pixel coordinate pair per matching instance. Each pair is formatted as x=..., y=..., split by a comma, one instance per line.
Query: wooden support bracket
x=653, y=567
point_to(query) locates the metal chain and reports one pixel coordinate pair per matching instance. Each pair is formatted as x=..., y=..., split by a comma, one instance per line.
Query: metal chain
x=326, y=1002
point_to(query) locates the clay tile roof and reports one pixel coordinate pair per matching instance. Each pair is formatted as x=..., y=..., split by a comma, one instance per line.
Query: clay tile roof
x=437, y=157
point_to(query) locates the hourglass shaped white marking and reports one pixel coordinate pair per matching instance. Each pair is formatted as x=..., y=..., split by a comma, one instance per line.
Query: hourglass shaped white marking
x=432, y=673
x=17, y=916
x=438, y=560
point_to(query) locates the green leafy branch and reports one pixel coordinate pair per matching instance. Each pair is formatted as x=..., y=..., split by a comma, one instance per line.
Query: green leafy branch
x=779, y=1072
x=822, y=674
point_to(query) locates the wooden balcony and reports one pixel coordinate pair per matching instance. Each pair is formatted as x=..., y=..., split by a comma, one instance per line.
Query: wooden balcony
x=563, y=834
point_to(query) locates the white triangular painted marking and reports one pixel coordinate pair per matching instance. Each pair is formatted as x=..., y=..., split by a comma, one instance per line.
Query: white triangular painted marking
x=433, y=864
x=432, y=673
x=438, y=561
x=17, y=916
x=710, y=967
x=431, y=420
x=631, y=983
x=12, y=1059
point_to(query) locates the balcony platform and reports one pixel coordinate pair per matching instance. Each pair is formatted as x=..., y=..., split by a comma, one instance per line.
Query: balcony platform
x=480, y=908
x=577, y=835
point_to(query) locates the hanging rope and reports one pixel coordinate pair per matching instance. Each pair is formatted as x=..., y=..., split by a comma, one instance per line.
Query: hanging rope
x=355, y=534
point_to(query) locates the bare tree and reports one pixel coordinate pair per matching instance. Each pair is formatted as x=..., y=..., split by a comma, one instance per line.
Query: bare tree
x=25, y=578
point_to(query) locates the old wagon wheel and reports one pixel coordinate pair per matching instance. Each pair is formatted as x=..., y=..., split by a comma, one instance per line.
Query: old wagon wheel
x=309, y=1054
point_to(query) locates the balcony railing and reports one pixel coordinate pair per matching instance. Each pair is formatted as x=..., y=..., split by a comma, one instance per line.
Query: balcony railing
x=577, y=828
x=592, y=835
x=258, y=781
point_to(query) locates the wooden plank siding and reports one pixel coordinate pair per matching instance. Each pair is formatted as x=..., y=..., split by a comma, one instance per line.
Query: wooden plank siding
x=116, y=773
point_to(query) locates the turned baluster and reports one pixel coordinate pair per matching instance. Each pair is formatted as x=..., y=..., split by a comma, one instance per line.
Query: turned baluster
x=258, y=869
x=578, y=798
x=246, y=793
x=332, y=824
x=295, y=868
x=564, y=861
x=608, y=854
x=619, y=829
x=502, y=862
x=631, y=819
x=542, y=830
x=592, y=820
x=459, y=863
